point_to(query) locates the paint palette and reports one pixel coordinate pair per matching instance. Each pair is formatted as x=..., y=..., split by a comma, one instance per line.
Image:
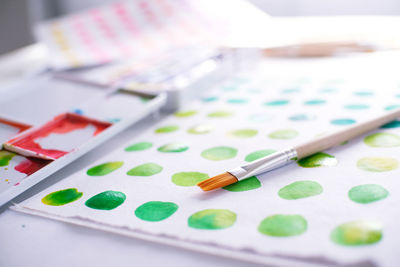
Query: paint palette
x=9, y=128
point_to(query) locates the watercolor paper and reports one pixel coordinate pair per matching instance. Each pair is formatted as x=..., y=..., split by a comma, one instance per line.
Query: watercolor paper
x=338, y=207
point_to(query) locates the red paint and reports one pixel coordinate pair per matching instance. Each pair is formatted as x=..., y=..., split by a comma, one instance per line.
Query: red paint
x=21, y=126
x=63, y=123
x=30, y=166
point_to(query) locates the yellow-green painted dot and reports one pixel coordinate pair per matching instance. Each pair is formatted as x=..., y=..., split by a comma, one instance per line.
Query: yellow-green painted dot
x=184, y=114
x=243, y=133
x=282, y=225
x=139, y=146
x=212, y=219
x=382, y=140
x=188, y=178
x=147, y=169
x=219, y=153
x=283, y=134
x=104, y=168
x=173, y=148
x=201, y=129
x=357, y=233
x=244, y=185
x=220, y=114
x=344, y=121
x=62, y=197
x=167, y=129
x=392, y=124
x=367, y=193
x=258, y=154
x=280, y=102
x=377, y=164
x=155, y=211
x=106, y=200
x=300, y=189
x=319, y=159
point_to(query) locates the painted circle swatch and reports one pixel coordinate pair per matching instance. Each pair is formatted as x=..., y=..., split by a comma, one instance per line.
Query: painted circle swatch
x=220, y=114
x=244, y=185
x=146, y=169
x=106, y=200
x=377, y=164
x=243, y=133
x=139, y=146
x=219, y=153
x=357, y=233
x=258, y=154
x=280, y=102
x=382, y=140
x=300, y=189
x=344, y=121
x=200, y=129
x=188, y=178
x=62, y=197
x=280, y=225
x=173, y=148
x=319, y=159
x=155, y=211
x=167, y=129
x=367, y=193
x=184, y=114
x=283, y=134
x=105, y=168
x=212, y=219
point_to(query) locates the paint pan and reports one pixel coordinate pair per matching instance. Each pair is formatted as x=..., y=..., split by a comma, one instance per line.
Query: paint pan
x=65, y=133
x=10, y=128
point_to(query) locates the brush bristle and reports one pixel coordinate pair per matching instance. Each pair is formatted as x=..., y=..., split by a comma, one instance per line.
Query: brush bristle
x=218, y=181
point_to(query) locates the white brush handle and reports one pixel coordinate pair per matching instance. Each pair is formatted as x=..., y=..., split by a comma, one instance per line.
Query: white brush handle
x=336, y=138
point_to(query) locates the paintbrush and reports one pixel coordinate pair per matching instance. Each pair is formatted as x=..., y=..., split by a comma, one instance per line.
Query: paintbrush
x=281, y=158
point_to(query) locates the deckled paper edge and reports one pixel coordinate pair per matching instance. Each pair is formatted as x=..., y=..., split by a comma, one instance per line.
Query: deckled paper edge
x=246, y=255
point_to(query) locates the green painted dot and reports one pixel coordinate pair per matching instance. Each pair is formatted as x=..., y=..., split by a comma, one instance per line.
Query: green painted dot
x=392, y=107
x=382, y=140
x=237, y=100
x=155, y=211
x=210, y=99
x=280, y=102
x=243, y=133
x=319, y=159
x=281, y=225
x=188, y=178
x=377, y=164
x=147, y=169
x=104, y=168
x=258, y=154
x=201, y=129
x=5, y=157
x=62, y=197
x=139, y=146
x=367, y=193
x=220, y=114
x=392, y=124
x=212, y=219
x=173, y=148
x=244, y=185
x=343, y=121
x=284, y=134
x=302, y=117
x=356, y=106
x=357, y=233
x=363, y=93
x=300, y=189
x=167, y=129
x=219, y=153
x=314, y=102
x=184, y=114
x=106, y=200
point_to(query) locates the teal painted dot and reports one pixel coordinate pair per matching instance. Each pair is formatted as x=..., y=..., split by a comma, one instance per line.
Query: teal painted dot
x=302, y=117
x=237, y=101
x=356, y=106
x=392, y=107
x=280, y=102
x=314, y=102
x=363, y=93
x=343, y=121
x=393, y=124
x=290, y=90
x=210, y=99
x=229, y=88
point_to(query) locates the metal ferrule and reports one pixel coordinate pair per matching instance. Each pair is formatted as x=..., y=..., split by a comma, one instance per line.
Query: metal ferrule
x=265, y=164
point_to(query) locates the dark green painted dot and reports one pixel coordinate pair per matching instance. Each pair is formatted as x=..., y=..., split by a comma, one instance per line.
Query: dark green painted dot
x=219, y=153
x=173, y=148
x=5, y=157
x=201, y=129
x=139, y=146
x=377, y=164
x=319, y=159
x=356, y=106
x=300, y=189
x=392, y=107
x=220, y=114
x=184, y=114
x=302, y=117
x=155, y=211
x=237, y=100
x=244, y=185
x=392, y=124
x=363, y=93
x=280, y=225
x=382, y=140
x=106, y=200
x=280, y=102
x=243, y=133
x=167, y=129
x=344, y=121
x=283, y=134
x=258, y=154
x=357, y=233
x=314, y=102
x=62, y=197
x=367, y=193
x=210, y=99
x=147, y=169
x=188, y=178
x=212, y=219
x=104, y=168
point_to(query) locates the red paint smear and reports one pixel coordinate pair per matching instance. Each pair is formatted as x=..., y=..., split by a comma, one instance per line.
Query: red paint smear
x=63, y=123
x=21, y=126
x=30, y=166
